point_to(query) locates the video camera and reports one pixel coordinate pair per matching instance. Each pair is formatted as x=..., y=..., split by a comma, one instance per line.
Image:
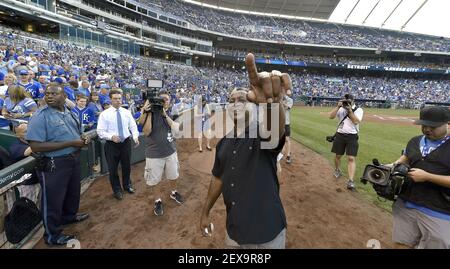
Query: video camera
x=152, y=95
x=347, y=101
x=387, y=181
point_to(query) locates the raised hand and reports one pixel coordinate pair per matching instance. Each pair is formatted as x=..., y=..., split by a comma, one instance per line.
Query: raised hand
x=266, y=87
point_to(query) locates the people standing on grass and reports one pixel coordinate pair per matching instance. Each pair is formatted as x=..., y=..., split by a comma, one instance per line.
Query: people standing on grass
x=346, y=137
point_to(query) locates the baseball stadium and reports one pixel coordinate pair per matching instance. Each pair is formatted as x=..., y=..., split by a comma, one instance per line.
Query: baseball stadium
x=94, y=96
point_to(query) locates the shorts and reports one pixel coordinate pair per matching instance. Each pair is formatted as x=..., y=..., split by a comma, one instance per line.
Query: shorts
x=287, y=130
x=345, y=143
x=155, y=167
x=415, y=229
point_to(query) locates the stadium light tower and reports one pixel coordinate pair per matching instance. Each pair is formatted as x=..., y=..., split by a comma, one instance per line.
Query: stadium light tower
x=370, y=13
x=351, y=11
x=391, y=13
x=414, y=14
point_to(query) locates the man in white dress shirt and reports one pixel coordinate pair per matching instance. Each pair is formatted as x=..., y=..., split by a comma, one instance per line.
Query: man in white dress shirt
x=116, y=125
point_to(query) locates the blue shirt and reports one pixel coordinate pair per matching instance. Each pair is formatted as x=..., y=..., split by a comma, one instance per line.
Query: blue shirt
x=42, y=87
x=104, y=98
x=85, y=116
x=86, y=92
x=3, y=122
x=70, y=93
x=23, y=106
x=427, y=211
x=51, y=125
x=96, y=108
x=91, y=77
x=44, y=69
x=427, y=146
x=32, y=88
x=136, y=116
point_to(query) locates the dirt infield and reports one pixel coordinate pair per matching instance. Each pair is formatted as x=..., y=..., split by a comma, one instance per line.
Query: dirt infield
x=320, y=212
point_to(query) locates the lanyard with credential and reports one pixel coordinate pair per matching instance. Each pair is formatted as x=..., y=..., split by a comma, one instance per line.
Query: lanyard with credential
x=425, y=151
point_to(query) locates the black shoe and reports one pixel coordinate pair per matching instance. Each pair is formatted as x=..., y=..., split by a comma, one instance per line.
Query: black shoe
x=130, y=190
x=118, y=195
x=61, y=240
x=78, y=218
x=177, y=197
x=158, y=209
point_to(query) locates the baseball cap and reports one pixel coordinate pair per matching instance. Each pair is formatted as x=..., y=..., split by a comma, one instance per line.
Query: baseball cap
x=59, y=80
x=23, y=72
x=61, y=72
x=433, y=116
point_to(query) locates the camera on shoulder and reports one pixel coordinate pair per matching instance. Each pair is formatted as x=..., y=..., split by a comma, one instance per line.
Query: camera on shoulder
x=151, y=94
x=388, y=182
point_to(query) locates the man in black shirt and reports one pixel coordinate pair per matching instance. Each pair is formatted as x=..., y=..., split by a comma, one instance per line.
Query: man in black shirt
x=244, y=170
x=422, y=213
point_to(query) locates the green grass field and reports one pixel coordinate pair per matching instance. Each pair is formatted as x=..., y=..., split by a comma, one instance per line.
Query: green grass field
x=383, y=141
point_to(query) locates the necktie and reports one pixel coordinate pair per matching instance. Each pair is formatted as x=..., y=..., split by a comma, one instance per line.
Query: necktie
x=119, y=126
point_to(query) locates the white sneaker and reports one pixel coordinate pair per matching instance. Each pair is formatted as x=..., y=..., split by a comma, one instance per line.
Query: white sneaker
x=351, y=185
x=337, y=173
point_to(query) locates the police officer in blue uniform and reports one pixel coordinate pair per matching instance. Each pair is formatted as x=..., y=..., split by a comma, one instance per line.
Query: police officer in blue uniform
x=54, y=132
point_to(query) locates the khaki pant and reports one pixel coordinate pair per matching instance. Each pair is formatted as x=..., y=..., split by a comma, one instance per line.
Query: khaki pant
x=416, y=229
x=154, y=169
x=279, y=242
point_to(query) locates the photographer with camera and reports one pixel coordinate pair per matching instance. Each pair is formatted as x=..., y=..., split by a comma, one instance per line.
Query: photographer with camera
x=422, y=214
x=346, y=137
x=160, y=151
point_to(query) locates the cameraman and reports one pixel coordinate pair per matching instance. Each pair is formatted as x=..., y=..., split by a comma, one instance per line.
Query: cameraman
x=160, y=152
x=422, y=213
x=346, y=138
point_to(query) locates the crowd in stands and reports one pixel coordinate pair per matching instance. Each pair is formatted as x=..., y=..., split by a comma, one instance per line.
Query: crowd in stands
x=335, y=59
x=87, y=74
x=391, y=89
x=299, y=31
